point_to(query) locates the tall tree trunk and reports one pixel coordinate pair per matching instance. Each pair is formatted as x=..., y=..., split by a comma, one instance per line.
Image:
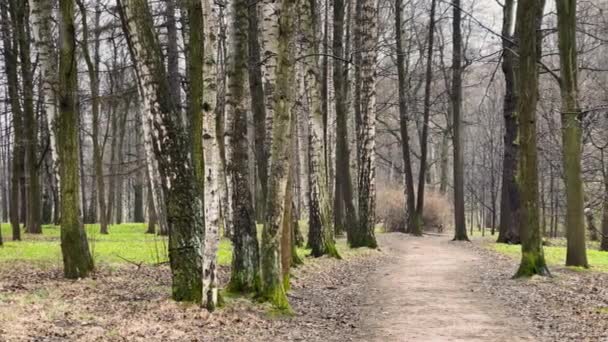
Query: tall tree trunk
x=283, y=99
x=325, y=93
x=173, y=58
x=287, y=220
x=572, y=134
x=410, y=204
x=508, y=231
x=425, y=123
x=226, y=184
x=20, y=19
x=162, y=124
x=604, y=240
x=343, y=173
x=41, y=17
x=10, y=52
x=114, y=116
x=119, y=182
x=529, y=18
x=258, y=105
x=364, y=235
x=460, y=229
x=320, y=225
x=245, y=276
x=152, y=220
x=77, y=261
x=92, y=62
x=210, y=175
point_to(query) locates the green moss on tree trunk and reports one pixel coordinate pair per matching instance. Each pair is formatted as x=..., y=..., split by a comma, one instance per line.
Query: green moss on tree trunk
x=77, y=261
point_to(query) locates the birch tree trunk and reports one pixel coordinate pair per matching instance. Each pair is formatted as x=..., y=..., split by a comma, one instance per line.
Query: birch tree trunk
x=320, y=221
x=41, y=16
x=211, y=154
x=529, y=17
x=162, y=124
x=572, y=134
x=245, y=276
x=364, y=235
x=270, y=46
x=272, y=281
x=77, y=261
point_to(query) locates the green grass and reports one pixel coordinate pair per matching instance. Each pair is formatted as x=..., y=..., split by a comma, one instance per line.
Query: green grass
x=126, y=243
x=556, y=255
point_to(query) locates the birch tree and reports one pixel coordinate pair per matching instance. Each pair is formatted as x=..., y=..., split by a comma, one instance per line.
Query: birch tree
x=170, y=143
x=272, y=280
x=41, y=16
x=320, y=223
x=211, y=156
x=363, y=235
x=245, y=276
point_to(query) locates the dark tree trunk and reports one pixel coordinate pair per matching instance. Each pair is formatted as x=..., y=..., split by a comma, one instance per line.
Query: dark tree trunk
x=77, y=261
x=425, y=120
x=20, y=13
x=151, y=212
x=138, y=201
x=343, y=175
x=410, y=204
x=529, y=18
x=460, y=229
x=245, y=276
x=508, y=231
x=258, y=107
x=10, y=52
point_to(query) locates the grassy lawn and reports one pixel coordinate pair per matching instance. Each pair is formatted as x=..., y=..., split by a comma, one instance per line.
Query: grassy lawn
x=555, y=253
x=126, y=243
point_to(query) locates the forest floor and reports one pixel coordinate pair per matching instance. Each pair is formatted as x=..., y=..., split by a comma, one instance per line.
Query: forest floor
x=412, y=289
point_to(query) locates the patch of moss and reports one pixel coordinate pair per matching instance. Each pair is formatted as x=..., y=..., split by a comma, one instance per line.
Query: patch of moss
x=602, y=310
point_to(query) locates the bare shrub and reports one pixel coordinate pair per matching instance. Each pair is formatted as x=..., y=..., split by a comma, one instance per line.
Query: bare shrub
x=390, y=209
x=438, y=211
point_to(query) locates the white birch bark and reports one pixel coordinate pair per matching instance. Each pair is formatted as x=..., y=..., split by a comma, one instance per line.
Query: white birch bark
x=320, y=215
x=41, y=15
x=211, y=156
x=368, y=30
x=147, y=96
x=270, y=45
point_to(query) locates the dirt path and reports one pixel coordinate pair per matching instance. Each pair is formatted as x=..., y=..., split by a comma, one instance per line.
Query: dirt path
x=430, y=293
